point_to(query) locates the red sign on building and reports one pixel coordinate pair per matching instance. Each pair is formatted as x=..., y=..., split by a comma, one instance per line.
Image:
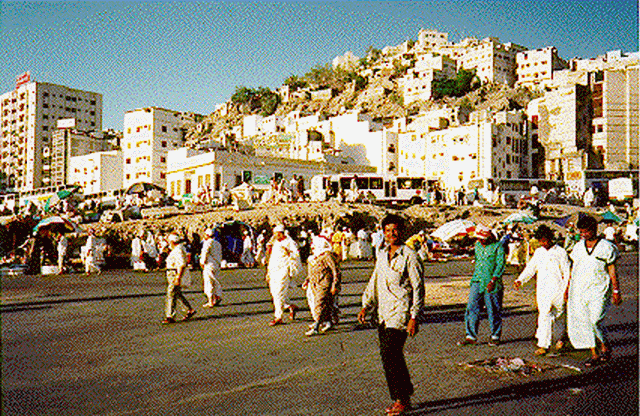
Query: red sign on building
x=23, y=79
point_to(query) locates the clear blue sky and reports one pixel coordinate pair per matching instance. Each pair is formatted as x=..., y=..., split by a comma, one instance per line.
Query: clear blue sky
x=190, y=56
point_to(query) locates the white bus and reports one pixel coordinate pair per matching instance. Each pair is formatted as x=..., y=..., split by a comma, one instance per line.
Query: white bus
x=512, y=189
x=370, y=187
x=39, y=196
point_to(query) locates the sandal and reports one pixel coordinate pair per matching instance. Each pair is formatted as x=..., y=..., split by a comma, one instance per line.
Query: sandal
x=605, y=356
x=189, y=315
x=540, y=351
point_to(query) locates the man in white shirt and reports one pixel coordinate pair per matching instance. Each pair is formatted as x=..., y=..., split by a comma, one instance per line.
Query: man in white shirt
x=284, y=263
x=551, y=263
x=210, y=259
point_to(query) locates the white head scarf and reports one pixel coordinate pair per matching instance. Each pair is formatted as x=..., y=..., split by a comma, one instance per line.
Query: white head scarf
x=320, y=245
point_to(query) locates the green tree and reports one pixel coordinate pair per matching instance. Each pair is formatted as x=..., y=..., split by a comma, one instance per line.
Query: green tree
x=294, y=82
x=464, y=82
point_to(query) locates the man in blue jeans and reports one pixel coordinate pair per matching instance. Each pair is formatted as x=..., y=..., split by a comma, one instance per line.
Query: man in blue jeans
x=486, y=287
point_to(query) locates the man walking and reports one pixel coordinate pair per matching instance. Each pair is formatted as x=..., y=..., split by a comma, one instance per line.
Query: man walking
x=176, y=266
x=551, y=263
x=284, y=263
x=210, y=259
x=396, y=289
x=486, y=285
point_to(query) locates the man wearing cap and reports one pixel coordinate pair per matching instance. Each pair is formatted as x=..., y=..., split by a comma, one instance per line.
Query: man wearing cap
x=176, y=266
x=284, y=260
x=486, y=285
x=210, y=259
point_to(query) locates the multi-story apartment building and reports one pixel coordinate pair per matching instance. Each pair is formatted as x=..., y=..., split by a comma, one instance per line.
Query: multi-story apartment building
x=97, y=172
x=149, y=133
x=493, y=61
x=69, y=142
x=564, y=130
x=28, y=116
x=489, y=146
x=416, y=84
x=536, y=68
x=615, y=128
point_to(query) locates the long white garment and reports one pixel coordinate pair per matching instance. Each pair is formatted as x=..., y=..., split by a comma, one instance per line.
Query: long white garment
x=210, y=258
x=553, y=270
x=589, y=292
x=283, y=254
x=364, y=246
x=90, y=248
x=136, y=249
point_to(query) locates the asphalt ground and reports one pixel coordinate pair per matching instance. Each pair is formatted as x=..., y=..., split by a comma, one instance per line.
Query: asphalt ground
x=78, y=345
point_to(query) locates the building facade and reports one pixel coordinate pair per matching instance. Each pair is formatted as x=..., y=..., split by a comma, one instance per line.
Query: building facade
x=535, y=69
x=69, y=142
x=190, y=170
x=149, y=134
x=96, y=172
x=28, y=116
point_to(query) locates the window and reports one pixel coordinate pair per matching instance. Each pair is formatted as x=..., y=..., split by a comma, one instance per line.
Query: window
x=164, y=129
x=164, y=143
x=163, y=175
x=163, y=159
x=128, y=161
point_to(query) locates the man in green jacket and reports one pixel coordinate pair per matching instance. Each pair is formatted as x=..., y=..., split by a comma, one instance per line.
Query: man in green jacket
x=486, y=286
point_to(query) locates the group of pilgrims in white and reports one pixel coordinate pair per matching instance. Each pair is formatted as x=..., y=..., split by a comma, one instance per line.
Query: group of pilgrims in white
x=573, y=289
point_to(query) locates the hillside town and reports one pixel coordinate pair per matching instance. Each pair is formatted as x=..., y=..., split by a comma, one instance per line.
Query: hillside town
x=431, y=121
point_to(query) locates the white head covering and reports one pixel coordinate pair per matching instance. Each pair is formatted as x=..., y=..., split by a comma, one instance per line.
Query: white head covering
x=483, y=232
x=173, y=238
x=279, y=229
x=209, y=232
x=320, y=245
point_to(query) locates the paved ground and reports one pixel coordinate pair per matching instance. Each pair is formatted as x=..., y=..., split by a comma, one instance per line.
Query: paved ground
x=75, y=345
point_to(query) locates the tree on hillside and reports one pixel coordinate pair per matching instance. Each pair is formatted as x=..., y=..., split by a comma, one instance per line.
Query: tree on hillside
x=261, y=100
x=464, y=82
x=294, y=82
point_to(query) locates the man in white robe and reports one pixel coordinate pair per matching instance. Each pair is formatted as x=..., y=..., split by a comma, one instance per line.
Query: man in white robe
x=551, y=264
x=210, y=259
x=592, y=288
x=284, y=263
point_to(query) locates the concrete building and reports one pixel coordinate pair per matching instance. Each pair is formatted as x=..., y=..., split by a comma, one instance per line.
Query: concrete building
x=615, y=117
x=535, y=69
x=189, y=170
x=149, y=133
x=493, y=61
x=97, y=172
x=431, y=39
x=564, y=130
x=489, y=146
x=28, y=116
x=69, y=142
x=416, y=84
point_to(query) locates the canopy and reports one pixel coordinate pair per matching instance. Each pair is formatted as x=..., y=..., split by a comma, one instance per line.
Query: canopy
x=453, y=229
x=59, y=196
x=524, y=217
x=142, y=187
x=610, y=216
x=57, y=225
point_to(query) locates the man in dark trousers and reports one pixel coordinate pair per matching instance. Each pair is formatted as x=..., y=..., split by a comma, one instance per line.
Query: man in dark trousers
x=396, y=290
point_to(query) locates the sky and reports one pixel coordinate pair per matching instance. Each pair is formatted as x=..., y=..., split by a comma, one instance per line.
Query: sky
x=190, y=56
